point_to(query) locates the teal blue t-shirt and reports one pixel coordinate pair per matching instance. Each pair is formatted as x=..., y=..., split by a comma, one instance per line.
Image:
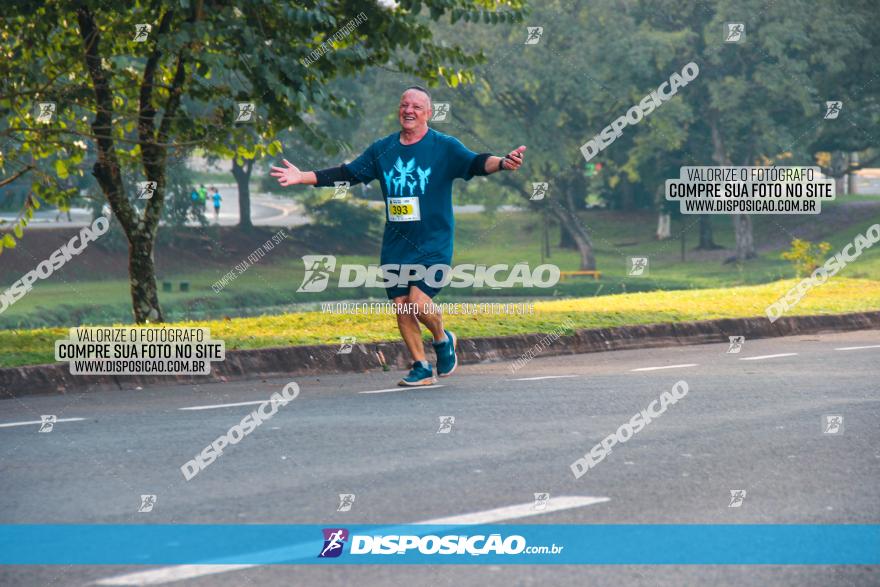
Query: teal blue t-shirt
x=416, y=182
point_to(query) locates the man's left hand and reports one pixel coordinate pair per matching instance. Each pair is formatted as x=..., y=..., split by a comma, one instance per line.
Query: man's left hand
x=514, y=159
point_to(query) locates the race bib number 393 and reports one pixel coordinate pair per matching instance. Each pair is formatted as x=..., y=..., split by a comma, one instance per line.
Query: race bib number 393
x=403, y=209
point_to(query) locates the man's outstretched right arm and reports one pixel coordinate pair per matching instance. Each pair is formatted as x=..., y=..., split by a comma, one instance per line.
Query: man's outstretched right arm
x=290, y=174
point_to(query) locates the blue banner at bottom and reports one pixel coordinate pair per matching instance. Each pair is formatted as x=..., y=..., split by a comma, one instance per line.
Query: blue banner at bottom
x=163, y=544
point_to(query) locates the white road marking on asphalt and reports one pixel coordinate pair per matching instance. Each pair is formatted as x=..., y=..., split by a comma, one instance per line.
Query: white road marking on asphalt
x=545, y=377
x=856, y=348
x=512, y=512
x=287, y=553
x=171, y=574
x=761, y=357
x=401, y=388
x=59, y=420
x=664, y=367
x=215, y=406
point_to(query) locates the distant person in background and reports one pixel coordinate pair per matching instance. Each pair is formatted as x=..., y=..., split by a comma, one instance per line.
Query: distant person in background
x=194, y=196
x=62, y=211
x=216, y=197
x=203, y=195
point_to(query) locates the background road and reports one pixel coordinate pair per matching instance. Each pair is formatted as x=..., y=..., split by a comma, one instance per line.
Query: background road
x=266, y=210
x=750, y=421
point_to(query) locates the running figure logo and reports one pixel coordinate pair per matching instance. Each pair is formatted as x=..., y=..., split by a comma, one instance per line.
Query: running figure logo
x=736, y=344
x=539, y=190
x=832, y=424
x=146, y=189
x=541, y=501
x=735, y=32
x=334, y=540
x=446, y=423
x=45, y=112
x=832, y=109
x=141, y=31
x=246, y=112
x=638, y=266
x=441, y=111
x=147, y=503
x=341, y=189
x=346, y=343
x=346, y=501
x=318, y=270
x=534, y=35
x=48, y=423
x=737, y=496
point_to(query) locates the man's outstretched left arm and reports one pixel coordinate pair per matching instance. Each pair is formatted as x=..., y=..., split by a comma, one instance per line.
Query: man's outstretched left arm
x=489, y=164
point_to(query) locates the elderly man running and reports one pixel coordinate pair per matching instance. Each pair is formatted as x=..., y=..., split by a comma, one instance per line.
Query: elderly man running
x=415, y=168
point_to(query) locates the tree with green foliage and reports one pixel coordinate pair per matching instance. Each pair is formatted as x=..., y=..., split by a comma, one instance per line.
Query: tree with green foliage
x=143, y=94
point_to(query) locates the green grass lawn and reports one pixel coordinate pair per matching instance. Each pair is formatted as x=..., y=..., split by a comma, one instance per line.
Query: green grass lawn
x=838, y=295
x=269, y=286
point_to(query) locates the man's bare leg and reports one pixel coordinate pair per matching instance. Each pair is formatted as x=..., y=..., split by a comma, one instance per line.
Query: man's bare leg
x=409, y=327
x=426, y=312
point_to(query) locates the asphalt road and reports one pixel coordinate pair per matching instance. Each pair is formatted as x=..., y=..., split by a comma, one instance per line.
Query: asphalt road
x=266, y=210
x=750, y=421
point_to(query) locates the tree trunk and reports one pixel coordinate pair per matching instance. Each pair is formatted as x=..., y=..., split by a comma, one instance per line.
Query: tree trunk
x=627, y=195
x=566, y=216
x=569, y=222
x=707, y=239
x=742, y=223
x=142, y=271
x=243, y=179
x=745, y=245
x=664, y=225
x=566, y=241
x=140, y=232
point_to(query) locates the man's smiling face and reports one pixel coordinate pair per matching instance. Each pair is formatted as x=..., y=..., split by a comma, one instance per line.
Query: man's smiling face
x=415, y=110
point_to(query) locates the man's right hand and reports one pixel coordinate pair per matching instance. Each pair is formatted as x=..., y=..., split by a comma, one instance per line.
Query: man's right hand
x=287, y=175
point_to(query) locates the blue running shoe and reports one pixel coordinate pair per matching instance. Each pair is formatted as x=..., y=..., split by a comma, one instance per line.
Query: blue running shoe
x=419, y=375
x=447, y=360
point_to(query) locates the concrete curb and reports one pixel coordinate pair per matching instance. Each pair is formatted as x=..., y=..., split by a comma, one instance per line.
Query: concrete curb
x=322, y=359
